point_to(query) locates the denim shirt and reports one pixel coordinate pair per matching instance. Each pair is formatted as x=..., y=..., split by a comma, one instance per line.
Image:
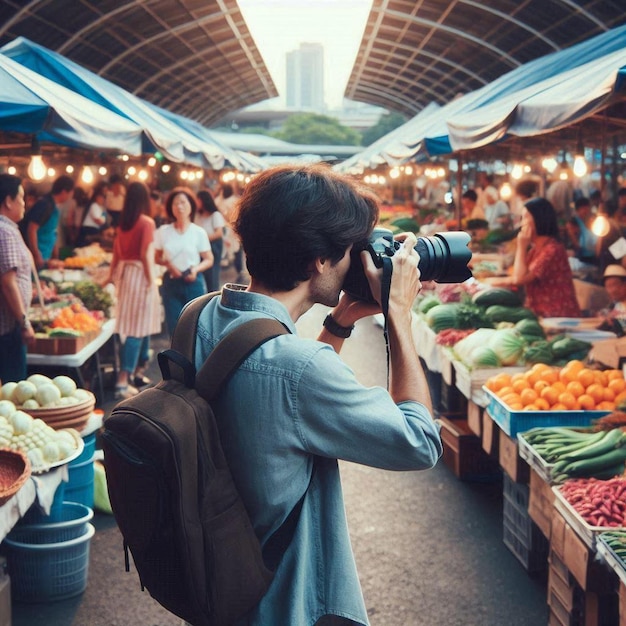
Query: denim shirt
x=291, y=402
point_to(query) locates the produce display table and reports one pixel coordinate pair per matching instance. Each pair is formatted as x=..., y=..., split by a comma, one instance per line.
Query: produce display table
x=74, y=362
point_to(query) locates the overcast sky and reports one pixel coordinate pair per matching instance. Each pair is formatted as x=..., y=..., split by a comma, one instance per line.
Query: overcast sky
x=279, y=26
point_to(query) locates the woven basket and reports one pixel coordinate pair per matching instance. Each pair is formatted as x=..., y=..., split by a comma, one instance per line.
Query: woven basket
x=14, y=472
x=72, y=416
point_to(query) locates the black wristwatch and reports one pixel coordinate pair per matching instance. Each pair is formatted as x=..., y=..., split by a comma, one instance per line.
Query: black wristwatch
x=343, y=332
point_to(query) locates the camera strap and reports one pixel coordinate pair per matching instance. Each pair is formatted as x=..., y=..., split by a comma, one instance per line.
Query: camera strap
x=385, y=287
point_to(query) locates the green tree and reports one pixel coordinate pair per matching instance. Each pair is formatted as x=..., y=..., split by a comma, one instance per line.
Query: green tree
x=385, y=124
x=316, y=129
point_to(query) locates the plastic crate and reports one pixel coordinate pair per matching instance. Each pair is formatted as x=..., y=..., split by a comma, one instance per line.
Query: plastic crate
x=51, y=571
x=513, y=422
x=517, y=493
x=79, y=487
x=532, y=553
x=74, y=518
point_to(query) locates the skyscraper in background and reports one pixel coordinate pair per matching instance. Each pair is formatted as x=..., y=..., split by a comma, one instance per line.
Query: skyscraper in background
x=305, y=78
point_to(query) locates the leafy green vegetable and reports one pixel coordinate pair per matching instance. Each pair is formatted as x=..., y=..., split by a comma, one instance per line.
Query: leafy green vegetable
x=94, y=297
x=508, y=345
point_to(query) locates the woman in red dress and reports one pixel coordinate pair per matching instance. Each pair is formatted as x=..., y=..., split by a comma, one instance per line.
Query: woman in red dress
x=541, y=263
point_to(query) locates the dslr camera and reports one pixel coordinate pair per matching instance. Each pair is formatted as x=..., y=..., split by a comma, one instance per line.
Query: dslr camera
x=443, y=258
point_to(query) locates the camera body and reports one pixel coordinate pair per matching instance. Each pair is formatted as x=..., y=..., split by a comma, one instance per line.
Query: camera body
x=186, y=273
x=443, y=258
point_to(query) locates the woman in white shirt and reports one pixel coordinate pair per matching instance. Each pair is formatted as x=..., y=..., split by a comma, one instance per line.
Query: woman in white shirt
x=213, y=223
x=184, y=249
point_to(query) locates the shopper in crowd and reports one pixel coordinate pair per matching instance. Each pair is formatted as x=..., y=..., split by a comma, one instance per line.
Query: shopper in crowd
x=157, y=210
x=138, y=304
x=297, y=225
x=114, y=201
x=469, y=207
x=541, y=264
x=75, y=215
x=40, y=225
x=561, y=195
x=581, y=238
x=226, y=201
x=524, y=191
x=496, y=210
x=95, y=217
x=15, y=283
x=614, y=278
x=184, y=249
x=209, y=218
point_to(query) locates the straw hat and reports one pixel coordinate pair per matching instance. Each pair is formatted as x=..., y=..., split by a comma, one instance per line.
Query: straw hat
x=614, y=271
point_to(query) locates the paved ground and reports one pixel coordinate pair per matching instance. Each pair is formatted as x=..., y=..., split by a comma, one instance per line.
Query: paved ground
x=428, y=547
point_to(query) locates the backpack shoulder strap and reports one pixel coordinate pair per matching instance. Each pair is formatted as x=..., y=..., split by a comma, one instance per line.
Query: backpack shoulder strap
x=232, y=351
x=229, y=353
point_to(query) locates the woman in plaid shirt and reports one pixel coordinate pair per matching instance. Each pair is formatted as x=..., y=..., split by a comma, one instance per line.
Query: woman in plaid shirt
x=15, y=283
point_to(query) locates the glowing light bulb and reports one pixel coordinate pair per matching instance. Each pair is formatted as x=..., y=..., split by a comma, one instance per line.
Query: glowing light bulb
x=36, y=168
x=600, y=226
x=165, y=168
x=86, y=175
x=132, y=170
x=549, y=164
x=102, y=171
x=408, y=170
x=517, y=172
x=151, y=161
x=505, y=191
x=394, y=173
x=143, y=175
x=69, y=169
x=51, y=172
x=580, y=166
x=11, y=170
x=563, y=175
x=184, y=175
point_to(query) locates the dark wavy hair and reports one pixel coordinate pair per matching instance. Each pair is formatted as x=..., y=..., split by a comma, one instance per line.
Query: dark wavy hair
x=206, y=202
x=136, y=203
x=170, y=201
x=9, y=186
x=545, y=217
x=289, y=216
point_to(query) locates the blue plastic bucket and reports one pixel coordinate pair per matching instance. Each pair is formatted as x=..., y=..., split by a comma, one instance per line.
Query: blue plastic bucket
x=74, y=519
x=88, y=450
x=79, y=487
x=48, y=571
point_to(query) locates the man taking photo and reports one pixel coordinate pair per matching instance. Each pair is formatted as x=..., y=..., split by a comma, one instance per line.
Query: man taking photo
x=293, y=407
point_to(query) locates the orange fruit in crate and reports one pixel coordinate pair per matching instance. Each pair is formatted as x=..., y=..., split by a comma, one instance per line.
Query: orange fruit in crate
x=532, y=376
x=517, y=376
x=550, y=395
x=566, y=375
x=559, y=386
x=520, y=384
x=614, y=374
x=528, y=396
x=616, y=385
x=550, y=375
x=601, y=378
x=587, y=403
x=575, y=365
x=608, y=395
x=568, y=400
x=511, y=398
x=575, y=388
x=542, y=404
x=605, y=405
x=596, y=391
x=516, y=406
x=498, y=382
x=505, y=391
x=620, y=398
x=585, y=377
x=540, y=385
x=558, y=407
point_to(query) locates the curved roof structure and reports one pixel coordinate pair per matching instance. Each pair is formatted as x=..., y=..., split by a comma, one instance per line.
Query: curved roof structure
x=196, y=58
x=414, y=52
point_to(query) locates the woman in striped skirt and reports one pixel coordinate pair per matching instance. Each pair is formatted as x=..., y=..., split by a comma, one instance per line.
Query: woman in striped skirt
x=138, y=312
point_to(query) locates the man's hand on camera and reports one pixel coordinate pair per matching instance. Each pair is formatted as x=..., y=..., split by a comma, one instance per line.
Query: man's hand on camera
x=405, y=283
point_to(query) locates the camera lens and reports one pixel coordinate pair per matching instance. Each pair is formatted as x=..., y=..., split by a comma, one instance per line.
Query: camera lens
x=444, y=257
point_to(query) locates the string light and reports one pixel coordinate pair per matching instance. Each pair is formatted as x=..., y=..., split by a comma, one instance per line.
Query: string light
x=51, y=172
x=36, y=167
x=69, y=169
x=517, y=172
x=11, y=170
x=87, y=175
x=152, y=161
x=600, y=226
x=102, y=171
x=165, y=168
x=505, y=191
